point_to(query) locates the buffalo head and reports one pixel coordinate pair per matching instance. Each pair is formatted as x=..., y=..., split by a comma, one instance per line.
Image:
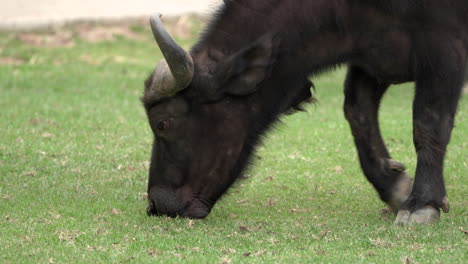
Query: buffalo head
x=205, y=110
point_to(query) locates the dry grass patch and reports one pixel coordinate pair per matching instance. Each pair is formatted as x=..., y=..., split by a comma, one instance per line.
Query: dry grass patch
x=95, y=34
x=56, y=39
x=11, y=61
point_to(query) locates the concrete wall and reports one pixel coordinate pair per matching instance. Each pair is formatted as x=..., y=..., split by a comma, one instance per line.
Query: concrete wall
x=20, y=14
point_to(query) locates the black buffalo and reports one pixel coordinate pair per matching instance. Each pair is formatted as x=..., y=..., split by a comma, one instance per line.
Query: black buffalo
x=208, y=108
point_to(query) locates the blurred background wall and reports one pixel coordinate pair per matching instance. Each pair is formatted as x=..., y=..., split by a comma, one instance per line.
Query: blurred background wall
x=27, y=14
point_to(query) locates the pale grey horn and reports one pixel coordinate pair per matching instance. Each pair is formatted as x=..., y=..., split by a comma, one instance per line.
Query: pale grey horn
x=174, y=73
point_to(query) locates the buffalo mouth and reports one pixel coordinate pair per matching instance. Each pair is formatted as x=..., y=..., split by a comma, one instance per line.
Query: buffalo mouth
x=164, y=203
x=152, y=211
x=194, y=210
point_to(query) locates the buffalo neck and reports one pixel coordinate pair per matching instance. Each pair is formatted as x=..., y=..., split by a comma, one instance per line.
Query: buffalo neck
x=312, y=39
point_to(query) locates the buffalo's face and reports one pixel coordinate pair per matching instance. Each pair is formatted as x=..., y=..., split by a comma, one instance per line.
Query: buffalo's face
x=203, y=110
x=196, y=148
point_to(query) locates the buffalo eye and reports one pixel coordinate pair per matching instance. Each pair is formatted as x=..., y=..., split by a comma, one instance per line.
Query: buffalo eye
x=162, y=125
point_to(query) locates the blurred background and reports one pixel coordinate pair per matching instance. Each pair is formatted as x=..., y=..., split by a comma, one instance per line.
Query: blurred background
x=30, y=14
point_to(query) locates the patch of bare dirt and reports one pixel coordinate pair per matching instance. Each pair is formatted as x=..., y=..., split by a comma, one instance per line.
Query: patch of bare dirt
x=41, y=121
x=29, y=173
x=11, y=61
x=107, y=33
x=61, y=38
x=152, y=252
x=69, y=235
x=465, y=89
x=116, y=211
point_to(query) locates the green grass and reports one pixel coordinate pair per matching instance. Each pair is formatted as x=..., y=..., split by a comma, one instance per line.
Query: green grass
x=74, y=151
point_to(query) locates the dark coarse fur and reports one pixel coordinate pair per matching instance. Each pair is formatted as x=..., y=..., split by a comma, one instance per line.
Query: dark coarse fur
x=252, y=65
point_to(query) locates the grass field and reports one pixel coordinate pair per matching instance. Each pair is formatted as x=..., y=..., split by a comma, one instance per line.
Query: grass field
x=74, y=151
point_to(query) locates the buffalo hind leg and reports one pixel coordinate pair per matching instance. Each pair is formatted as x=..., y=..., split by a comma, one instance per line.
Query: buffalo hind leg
x=434, y=109
x=363, y=94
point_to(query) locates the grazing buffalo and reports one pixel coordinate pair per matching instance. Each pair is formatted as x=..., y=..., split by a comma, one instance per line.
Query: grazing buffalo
x=208, y=108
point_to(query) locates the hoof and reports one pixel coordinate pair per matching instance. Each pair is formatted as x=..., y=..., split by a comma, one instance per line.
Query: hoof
x=425, y=215
x=445, y=205
x=402, y=217
x=400, y=192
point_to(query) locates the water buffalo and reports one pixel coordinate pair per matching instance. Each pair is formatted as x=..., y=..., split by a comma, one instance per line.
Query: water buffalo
x=208, y=108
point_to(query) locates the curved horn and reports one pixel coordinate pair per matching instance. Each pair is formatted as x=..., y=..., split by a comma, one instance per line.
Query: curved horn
x=175, y=72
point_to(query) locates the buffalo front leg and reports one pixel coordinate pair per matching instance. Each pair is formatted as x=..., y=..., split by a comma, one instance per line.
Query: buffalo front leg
x=434, y=109
x=363, y=94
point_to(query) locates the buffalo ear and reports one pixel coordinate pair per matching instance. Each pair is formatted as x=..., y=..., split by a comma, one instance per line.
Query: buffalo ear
x=241, y=72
